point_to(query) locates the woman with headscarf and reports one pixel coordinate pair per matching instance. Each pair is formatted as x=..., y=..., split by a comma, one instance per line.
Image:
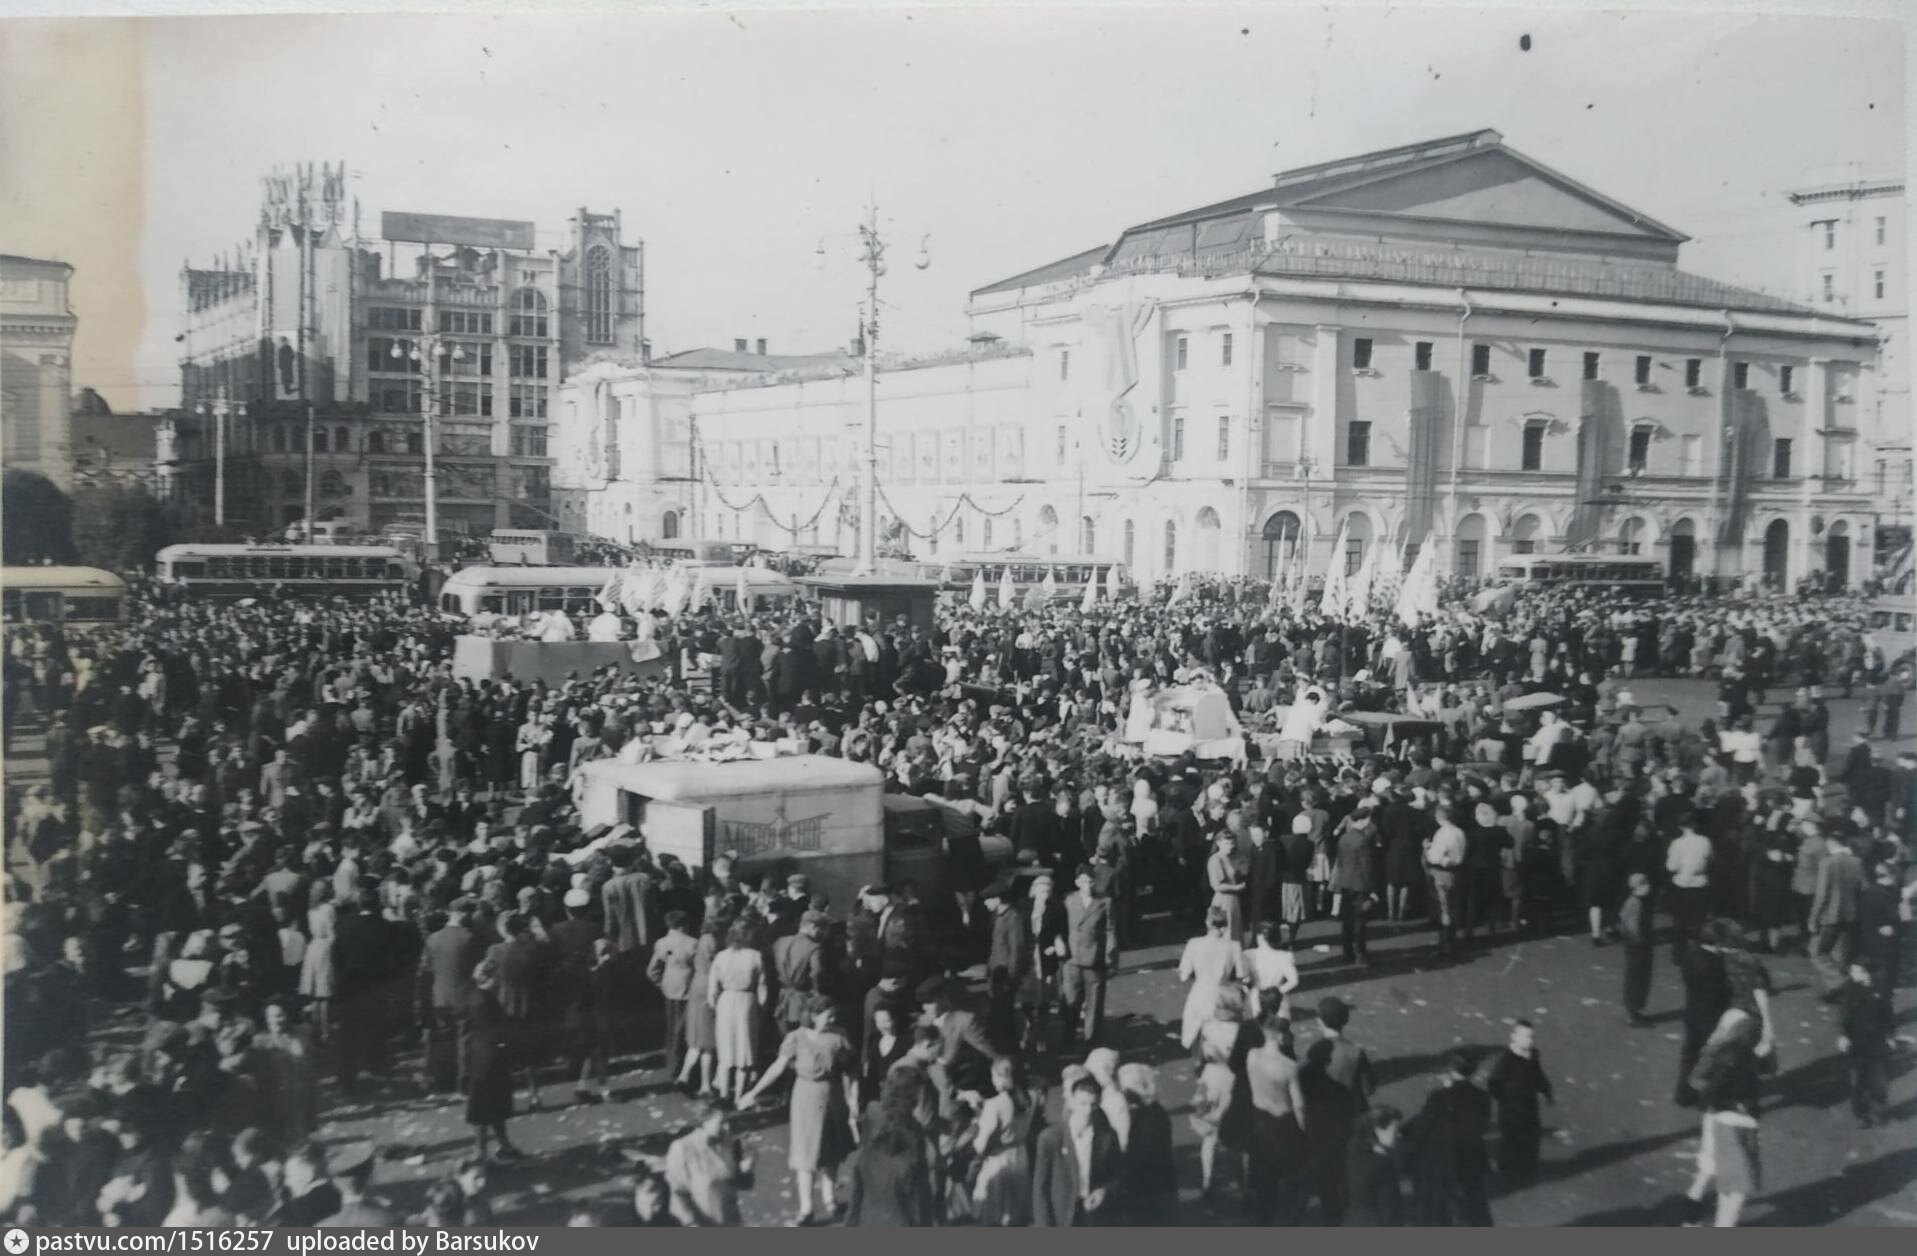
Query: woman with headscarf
x=1006, y=1126
x=1227, y=881
x=1151, y=1191
x=489, y=1064
x=891, y=1177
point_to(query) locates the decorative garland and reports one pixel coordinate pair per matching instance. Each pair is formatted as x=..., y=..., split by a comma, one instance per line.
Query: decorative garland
x=963, y=501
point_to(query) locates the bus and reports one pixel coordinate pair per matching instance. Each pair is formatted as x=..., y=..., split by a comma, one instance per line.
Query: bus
x=1893, y=628
x=1632, y=576
x=223, y=571
x=530, y=548
x=958, y=573
x=522, y=590
x=693, y=553
x=83, y=599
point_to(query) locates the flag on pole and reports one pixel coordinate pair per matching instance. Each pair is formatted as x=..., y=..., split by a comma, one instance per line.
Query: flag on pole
x=1050, y=584
x=1358, y=592
x=1418, y=600
x=1090, y=599
x=1332, y=601
x=1113, y=585
x=742, y=591
x=672, y=600
x=977, y=600
x=1181, y=590
x=1007, y=591
x=609, y=596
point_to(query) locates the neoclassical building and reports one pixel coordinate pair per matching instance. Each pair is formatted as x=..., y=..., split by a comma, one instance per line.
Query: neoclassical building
x=1445, y=344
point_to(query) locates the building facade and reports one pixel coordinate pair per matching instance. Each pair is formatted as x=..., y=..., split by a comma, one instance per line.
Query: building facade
x=36, y=367
x=316, y=328
x=1446, y=344
x=1851, y=258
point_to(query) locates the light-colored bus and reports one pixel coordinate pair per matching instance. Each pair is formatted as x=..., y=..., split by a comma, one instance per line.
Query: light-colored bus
x=1893, y=627
x=530, y=547
x=686, y=552
x=288, y=570
x=1609, y=571
x=522, y=590
x=76, y=598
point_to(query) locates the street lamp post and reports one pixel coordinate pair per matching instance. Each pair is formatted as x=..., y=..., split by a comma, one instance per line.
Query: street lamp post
x=427, y=351
x=872, y=256
x=219, y=461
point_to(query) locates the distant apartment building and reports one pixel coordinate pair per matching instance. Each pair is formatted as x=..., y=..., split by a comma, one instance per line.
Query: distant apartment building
x=1851, y=260
x=36, y=366
x=319, y=332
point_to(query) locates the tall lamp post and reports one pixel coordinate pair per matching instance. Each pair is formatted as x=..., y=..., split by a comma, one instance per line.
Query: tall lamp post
x=872, y=247
x=427, y=351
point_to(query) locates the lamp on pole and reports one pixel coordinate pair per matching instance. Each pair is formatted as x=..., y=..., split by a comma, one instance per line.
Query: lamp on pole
x=219, y=461
x=427, y=351
x=872, y=248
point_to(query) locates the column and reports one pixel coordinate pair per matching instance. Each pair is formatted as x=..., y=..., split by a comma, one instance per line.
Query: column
x=1320, y=439
x=1810, y=463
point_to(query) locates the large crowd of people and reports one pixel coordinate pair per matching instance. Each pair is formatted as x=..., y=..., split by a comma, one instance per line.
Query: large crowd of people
x=297, y=862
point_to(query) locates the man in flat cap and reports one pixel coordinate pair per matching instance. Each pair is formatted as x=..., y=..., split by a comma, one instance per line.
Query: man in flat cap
x=578, y=949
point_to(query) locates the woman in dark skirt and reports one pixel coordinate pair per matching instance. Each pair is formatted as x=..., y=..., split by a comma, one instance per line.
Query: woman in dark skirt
x=489, y=1063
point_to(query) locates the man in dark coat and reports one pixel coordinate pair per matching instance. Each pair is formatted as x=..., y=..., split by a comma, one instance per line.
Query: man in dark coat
x=445, y=983
x=1264, y=875
x=1452, y=1164
x=578, y=949
x=1517, y=1082
x=1006, y=965
x=1064, y=1191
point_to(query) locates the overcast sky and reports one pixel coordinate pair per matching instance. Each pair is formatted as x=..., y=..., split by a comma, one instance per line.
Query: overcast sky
x=734, y=144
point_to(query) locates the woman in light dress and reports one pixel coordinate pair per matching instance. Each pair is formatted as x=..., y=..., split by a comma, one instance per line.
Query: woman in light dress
x=1272, y=967
x=1002, y=1194
x=823, y=1066
x=736, y=990
x=699, y=1022
x=534, y=736
x=1226, y=876
x=316, y=963
x=1210, y=962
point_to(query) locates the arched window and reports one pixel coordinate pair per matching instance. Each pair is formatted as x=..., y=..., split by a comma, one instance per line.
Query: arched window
x=528, y=314
x=333, y=484
x=1357, y=536
x=669, y=525
x=1470, y=545
x=1208, y=534
x=375, y=442
x=1018, y=533
x=415, y=442
x=1525, y=533
x=959, y=533
x=1131, y=543
x=1171, y=546
x=1087, y=536
x=342, y=439
x=985, y=540
x=319, y=440
x=599, y=294
x=1048, y=528
x=1281, y=535
x=1630, y=536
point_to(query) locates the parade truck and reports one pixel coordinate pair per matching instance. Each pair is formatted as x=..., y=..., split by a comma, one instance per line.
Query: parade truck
x=828, y=818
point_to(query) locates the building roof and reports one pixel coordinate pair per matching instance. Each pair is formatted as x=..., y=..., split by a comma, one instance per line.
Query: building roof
x=1470, y=179
x=733, y=360
x=118, y=438
x=15, y=259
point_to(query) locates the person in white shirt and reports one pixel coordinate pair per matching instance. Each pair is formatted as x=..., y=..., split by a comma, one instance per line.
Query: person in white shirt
x=1688, y=861
x=1444, y=856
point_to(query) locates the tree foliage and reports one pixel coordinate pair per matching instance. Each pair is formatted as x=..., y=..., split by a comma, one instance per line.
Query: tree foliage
x=37, y=518
x=120, y=527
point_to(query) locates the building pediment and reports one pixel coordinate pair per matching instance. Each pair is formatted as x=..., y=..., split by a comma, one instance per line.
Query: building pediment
x=1488, y=186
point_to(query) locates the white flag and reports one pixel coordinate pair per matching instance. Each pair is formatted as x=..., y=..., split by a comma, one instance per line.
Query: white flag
x=1007, y=591
x=1113, y=585
x=609, y=597
x=1418, y=599
x=742, y=591
x=1049, y=586
x=1358, y=592
x=977, y=600
x=1090, y=599
x=1332, y=602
